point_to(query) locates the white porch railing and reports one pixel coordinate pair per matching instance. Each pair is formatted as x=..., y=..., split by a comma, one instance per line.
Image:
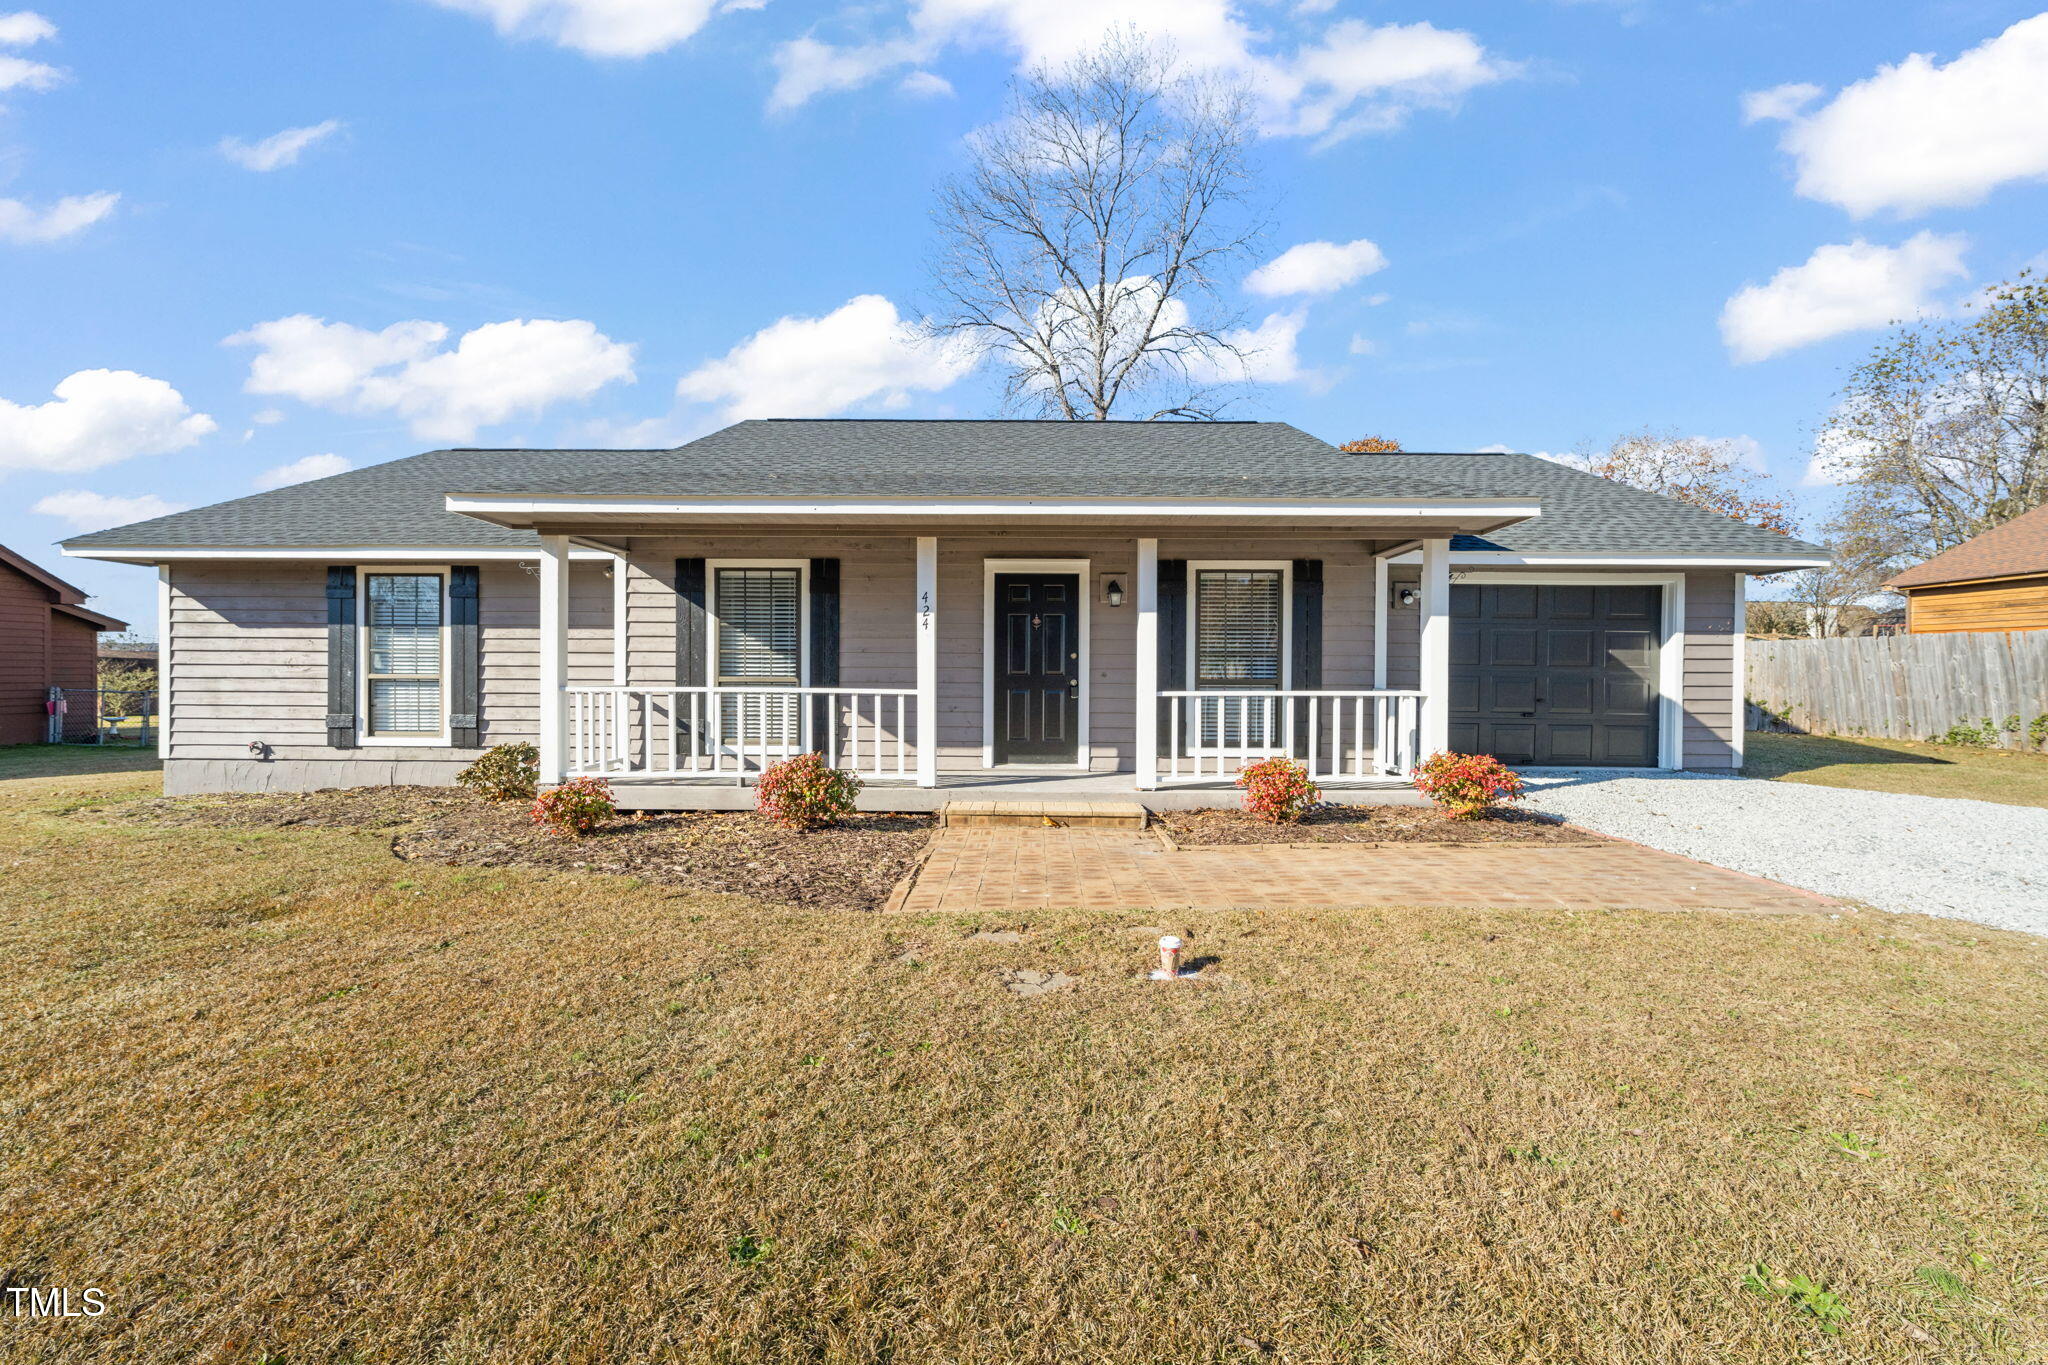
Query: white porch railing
x=1338, y=736
x=709, y=732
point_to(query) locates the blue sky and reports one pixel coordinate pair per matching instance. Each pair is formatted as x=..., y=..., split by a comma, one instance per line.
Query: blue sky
x=514, y=222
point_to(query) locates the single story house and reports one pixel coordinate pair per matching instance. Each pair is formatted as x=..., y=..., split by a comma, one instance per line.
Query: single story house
x=48, y=638
x=1003, y=607
x=1996, y=581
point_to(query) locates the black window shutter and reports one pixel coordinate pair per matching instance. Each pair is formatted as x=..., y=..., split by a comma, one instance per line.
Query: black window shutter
x=1308, y=623
x=824, y=646
x=465, y=657
x=691, y=632
x=341, y=656
x=1307, y=639
x=1173, y=640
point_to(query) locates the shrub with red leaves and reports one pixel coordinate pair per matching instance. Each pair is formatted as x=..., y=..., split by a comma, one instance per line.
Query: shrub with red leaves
x=806, y=793
x=1277, y=790
x=1467, y=786
x=576, y=807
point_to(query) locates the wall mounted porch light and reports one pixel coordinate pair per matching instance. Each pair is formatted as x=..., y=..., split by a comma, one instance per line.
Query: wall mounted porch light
x=1405, y=597
x=1115, y=592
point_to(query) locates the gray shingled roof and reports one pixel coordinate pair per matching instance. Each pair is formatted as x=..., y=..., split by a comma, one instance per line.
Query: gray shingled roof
x=400, y=503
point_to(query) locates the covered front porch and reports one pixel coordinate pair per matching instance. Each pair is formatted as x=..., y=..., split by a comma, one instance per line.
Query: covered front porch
x=1189, y=653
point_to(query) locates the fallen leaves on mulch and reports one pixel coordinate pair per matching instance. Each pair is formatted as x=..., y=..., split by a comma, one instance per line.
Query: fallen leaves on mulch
x=1370, y=825
x=851, y=867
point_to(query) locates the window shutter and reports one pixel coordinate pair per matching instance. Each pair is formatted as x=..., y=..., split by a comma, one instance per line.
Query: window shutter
x=1307, y=639
x=1172, y=597
x=692, y=668
x=341, y=656
x=824, y=670
x=465, y=657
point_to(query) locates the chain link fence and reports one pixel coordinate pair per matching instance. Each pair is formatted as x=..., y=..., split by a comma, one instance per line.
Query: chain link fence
x=97, y=715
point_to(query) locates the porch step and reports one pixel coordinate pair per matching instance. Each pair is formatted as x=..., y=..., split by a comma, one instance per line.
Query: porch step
x=1071, y=814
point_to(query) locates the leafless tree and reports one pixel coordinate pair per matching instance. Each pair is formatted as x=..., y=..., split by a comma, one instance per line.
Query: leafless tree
x=1082, y=247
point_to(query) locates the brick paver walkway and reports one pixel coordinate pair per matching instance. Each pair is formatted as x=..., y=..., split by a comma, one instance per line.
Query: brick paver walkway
x=1031, y=869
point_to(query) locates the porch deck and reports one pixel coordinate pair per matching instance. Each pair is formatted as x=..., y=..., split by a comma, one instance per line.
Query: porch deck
x=995, y=784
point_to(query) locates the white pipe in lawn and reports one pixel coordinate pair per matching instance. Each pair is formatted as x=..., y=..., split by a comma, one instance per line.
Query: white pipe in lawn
x=1169, y=959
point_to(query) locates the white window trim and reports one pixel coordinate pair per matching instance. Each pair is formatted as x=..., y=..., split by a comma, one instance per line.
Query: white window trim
x=1083, y=753
x=1670, y=649
x=1190, y=735
x=803, y=612
x=363, y=736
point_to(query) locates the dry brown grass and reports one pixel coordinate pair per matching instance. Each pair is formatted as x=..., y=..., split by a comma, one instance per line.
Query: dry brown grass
x=285, y=1098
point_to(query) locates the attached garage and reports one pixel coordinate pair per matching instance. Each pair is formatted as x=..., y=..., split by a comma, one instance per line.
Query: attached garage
x=1563, y=674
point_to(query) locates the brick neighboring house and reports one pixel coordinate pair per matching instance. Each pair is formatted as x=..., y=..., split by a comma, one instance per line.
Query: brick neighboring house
x=1996, y=581
x=48, y=638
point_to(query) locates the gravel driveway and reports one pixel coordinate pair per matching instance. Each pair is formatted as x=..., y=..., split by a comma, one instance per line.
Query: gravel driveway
x=1935, y=855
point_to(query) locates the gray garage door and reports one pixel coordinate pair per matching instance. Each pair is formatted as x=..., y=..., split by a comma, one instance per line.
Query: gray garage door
x=1544, y=674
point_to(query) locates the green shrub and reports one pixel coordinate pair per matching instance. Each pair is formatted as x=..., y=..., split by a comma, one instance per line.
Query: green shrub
x=806, y=793
x=576, y=807
x=507, y=772
x=2037, y=731
x=1968, y=736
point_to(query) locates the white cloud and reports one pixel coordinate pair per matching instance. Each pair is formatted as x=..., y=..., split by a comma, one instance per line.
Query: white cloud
x=1316, y=268
x=1778, y=102
x=20, y=29
x=1362, y=79
x=600, y=28
x=277, y=150
x=19, y=73
x=861, y=353
x=1842, y=288
x=1919, y=135
x=97, y=417
x=24, y=27
x=1362, y=344
x=1354, y=77
x=497, y=372
x=301, y=470
x=925, y=85
x=97, y=511
x=23, y=225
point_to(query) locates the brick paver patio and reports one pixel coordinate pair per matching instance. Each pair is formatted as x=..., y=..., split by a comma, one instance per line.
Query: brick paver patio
x=1032, y=869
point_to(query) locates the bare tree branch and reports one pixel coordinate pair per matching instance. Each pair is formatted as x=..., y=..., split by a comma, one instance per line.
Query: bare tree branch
x=1083, y=246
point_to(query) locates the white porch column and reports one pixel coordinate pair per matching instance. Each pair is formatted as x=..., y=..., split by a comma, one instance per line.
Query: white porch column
x=1436, y=646
x=1147, y=682
x=163, y=660
x=927, y=661
x=554, y=656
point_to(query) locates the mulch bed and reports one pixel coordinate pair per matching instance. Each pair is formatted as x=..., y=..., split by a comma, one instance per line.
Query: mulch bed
x=1370, y=825
x=851, y=867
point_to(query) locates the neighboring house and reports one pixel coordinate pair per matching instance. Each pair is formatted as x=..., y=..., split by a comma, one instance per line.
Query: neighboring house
x=48, y=638
x=945, y=603
x=1996, y=581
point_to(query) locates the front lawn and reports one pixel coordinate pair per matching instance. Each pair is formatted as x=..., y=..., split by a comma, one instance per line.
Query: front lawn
x=2007, y=776
x=283, y=1097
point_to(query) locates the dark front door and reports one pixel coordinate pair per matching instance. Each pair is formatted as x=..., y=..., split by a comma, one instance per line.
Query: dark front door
x=1556, y=674
x=1038, y=667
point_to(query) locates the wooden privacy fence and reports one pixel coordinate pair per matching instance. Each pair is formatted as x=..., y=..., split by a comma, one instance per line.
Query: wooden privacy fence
x=1902, y=686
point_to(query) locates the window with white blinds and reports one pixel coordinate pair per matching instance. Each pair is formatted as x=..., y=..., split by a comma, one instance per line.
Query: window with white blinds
x=402, y=658
x=759, y=614
x=1238, y=615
